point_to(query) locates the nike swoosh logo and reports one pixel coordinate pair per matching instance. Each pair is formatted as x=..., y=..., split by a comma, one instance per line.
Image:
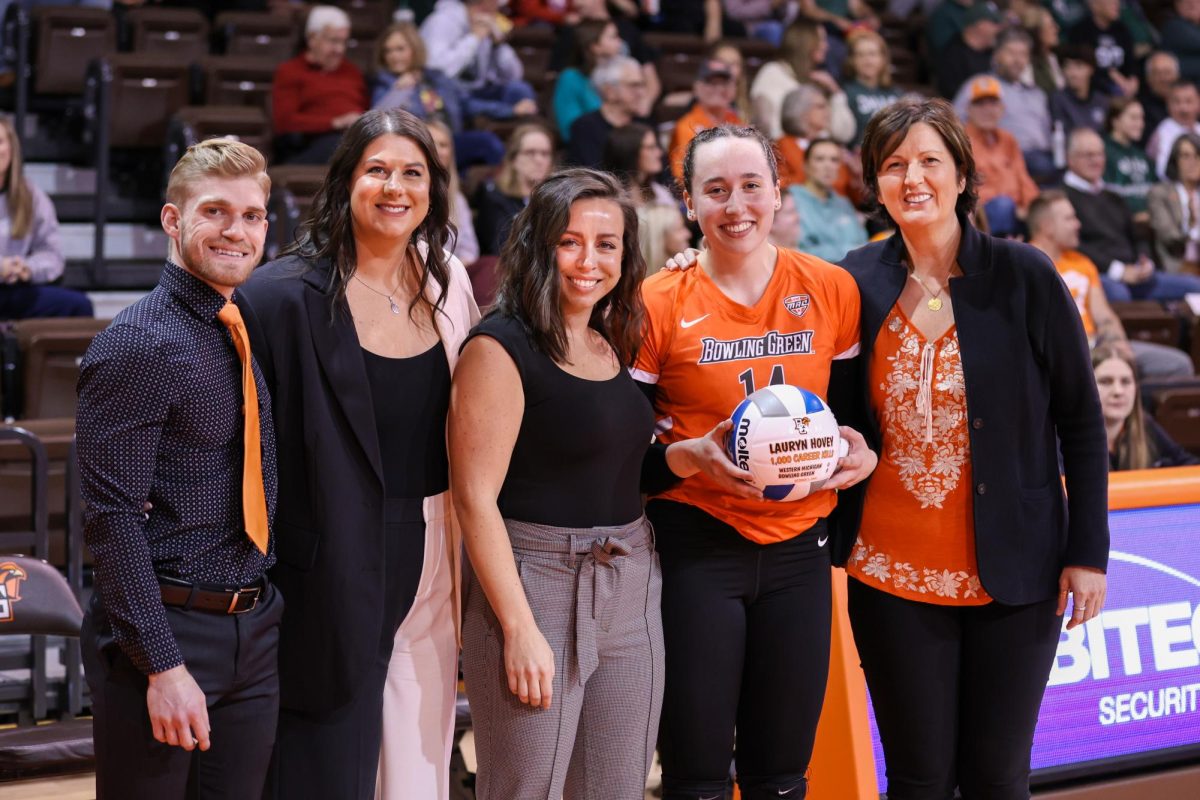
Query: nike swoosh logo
x=685, y=323
x=820, y=543
x=786, y=792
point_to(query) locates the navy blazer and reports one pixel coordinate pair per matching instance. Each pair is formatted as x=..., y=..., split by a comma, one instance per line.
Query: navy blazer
x=1030, y=388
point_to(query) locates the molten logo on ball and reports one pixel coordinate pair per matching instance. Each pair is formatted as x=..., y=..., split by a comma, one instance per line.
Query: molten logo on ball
x=788, y=439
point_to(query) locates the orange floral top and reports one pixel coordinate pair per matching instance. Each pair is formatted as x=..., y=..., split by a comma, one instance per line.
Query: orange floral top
x=917, y=538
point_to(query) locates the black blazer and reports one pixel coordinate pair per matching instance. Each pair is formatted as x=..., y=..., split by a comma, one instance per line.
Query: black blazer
x=1029, y=386
x=329, y=526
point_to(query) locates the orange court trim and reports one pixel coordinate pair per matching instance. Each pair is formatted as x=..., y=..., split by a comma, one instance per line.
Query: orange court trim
x=1146, y=488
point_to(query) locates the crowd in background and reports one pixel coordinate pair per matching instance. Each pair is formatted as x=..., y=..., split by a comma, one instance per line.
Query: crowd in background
x=1084, y=97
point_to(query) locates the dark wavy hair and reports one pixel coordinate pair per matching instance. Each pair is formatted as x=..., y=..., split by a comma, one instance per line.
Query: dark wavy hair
x=329, y=231
x=886, y=131
x=528, y=267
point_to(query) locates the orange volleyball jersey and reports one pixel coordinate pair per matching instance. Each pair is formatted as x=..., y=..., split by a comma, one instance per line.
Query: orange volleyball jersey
x=705, y=353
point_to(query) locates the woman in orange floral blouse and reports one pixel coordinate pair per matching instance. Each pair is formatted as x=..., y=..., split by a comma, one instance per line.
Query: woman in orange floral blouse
x=974, y=369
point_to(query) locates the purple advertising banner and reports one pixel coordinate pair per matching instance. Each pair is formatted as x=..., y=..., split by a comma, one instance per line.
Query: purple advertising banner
x=1128, y=682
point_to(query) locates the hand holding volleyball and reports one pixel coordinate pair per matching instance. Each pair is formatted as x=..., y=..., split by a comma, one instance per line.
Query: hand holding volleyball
x=788, y=439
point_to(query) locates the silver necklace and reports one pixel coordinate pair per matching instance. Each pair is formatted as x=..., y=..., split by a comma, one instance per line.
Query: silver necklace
x=935, y=301
x=391, y=302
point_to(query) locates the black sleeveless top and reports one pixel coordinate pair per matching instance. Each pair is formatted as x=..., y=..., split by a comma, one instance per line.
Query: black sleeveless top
x=578, y=457
x=410, y=397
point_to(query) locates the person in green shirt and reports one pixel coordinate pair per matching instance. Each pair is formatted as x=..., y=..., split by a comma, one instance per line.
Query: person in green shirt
x=1128, y=171
x=869, y=73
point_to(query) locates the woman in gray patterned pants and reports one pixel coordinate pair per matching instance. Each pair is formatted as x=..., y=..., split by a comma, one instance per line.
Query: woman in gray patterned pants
x=562, y=636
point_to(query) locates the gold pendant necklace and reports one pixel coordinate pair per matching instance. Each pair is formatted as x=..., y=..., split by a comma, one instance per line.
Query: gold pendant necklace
x=934, y=303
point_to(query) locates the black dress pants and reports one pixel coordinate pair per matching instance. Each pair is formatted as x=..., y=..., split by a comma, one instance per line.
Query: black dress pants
x=956, y=691
x=233, y=659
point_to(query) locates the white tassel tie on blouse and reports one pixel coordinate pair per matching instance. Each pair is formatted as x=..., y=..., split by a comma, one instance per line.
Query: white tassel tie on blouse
x=925, y=390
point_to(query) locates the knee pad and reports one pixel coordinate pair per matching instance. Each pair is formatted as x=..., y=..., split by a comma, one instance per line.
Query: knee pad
x=675, y=789
x=773, y=787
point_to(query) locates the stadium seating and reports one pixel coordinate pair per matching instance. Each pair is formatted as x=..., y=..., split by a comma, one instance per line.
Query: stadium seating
x=181, y=33
x=1178, y=411
x=236, y=81
x=258, y=35
x=193, y=124
x=1148, y=321
x=67, y=39
x=47, y=365
x=292, y=190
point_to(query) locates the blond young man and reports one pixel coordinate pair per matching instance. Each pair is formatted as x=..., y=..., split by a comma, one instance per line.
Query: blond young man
x=177, y=454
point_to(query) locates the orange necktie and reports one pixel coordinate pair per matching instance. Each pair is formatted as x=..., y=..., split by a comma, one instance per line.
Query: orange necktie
x=254, y=498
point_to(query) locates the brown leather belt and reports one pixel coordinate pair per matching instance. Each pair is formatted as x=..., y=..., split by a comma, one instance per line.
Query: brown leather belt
x=213, y=600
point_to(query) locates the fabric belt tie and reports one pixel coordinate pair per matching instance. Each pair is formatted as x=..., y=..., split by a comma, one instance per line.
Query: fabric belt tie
x=600, y=554
x=254, y=496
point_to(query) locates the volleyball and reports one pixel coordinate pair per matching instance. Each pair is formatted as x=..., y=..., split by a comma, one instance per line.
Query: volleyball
x=788, y=439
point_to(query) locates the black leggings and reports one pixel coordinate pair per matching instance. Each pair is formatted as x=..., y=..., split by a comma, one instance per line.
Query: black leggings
x=746, y=628
x=956, y=691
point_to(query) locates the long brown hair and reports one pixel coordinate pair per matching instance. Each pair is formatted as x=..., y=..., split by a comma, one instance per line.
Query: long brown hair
x=329, y=231
x=20, y=197
x=507, y=180
x=800, y=39
x=1134, y=448
x=415, y=43
x=530, y=280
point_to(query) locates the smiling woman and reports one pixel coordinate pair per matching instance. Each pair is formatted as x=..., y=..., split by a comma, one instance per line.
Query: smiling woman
x=358, y=329
x=963, y=550
x=746, y=592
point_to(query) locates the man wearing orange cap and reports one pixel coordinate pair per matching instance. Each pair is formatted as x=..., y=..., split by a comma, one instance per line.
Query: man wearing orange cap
x=1006, y=190
x=714, y=91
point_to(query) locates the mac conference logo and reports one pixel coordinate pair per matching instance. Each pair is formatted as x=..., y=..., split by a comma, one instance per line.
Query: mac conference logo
x=11, y=576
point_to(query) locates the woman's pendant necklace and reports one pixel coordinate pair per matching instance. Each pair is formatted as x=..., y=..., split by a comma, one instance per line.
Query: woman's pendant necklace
x=934, y=303
x=392, y=303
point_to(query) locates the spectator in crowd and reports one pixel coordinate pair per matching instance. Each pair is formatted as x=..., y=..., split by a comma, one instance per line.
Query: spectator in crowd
x=805, y=118
x=969, y=52
x=702, y=18
x=714, y=92
x=1183, y=115
x=31, y=254
x=1174, y=206
x=547, y=12
x=786, y=227
x=947, y=20
x=631, y=35
x=839, y=17
x=832, y=227
x=1107, y=235
x=1006, y=189
x=1181, y=36
x=1044, y=70
x=319, y=93
x=465, y=40
x=1135, y=439
x=1078, y=104
x=620, y=83
x=762, y=19
x=1054, y=229
x=728, y=52
x=868, y=83
x=1127, y=171
x=805, y=45
x=402, y=80
x=661, y=234
x=575, y=94
x=633, y=154
x=1110, y=39
x=1162, y=72
x=527, y=161
x=1026, y=108
x=465, y=242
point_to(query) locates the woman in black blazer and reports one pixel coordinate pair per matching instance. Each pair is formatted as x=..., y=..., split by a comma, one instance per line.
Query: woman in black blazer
x=962, y=546
x=357, y=331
